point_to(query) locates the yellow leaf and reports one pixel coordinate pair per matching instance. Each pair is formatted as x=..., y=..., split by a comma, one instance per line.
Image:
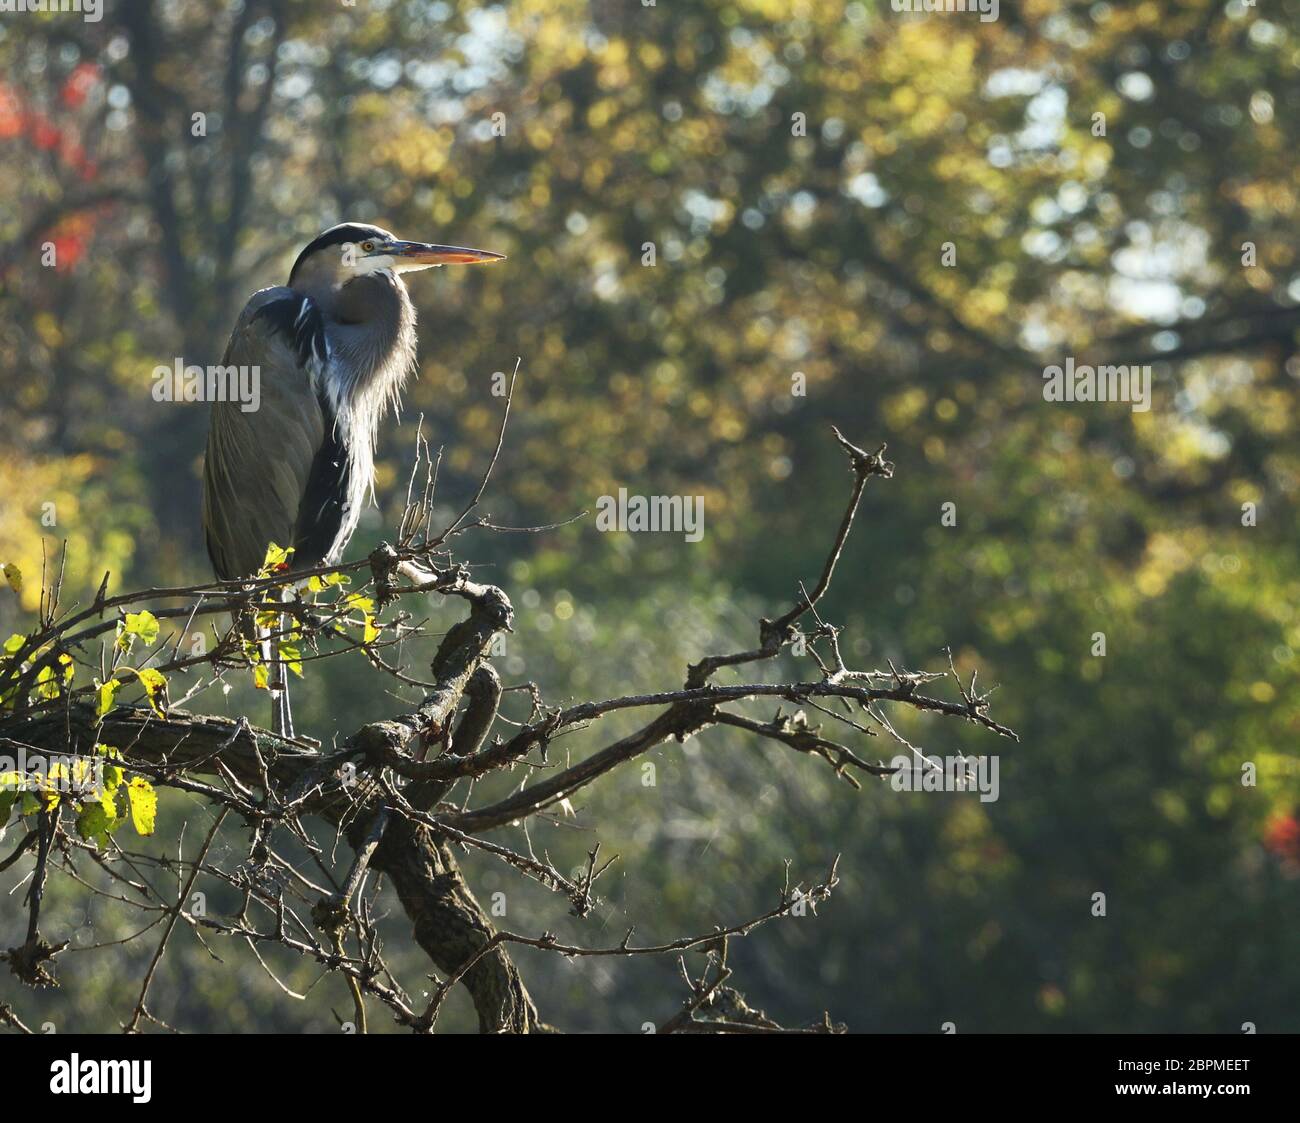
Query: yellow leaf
x=277, y=557
x=320, y=584
x=152, y=679
x=13, y=575
x=144, y=804
x=155, y=686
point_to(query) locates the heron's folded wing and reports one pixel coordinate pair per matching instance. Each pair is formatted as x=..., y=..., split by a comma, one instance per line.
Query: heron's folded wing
x=261, y=464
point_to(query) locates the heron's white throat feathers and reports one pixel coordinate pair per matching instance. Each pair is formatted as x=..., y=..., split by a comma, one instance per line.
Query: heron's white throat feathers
x=370, y=329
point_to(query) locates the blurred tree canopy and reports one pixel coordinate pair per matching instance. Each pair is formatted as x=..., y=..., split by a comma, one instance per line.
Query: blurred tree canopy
x=731, y=223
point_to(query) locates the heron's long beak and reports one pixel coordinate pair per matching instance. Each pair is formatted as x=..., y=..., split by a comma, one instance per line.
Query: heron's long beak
x=416, y=255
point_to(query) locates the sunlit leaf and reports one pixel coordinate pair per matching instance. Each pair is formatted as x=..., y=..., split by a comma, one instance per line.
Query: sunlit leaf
x=142, y=624
x=155, y=685
x=292, y=658
x=320, y=583
x=97, y=821
x=277, y=559
x=106, y=692
x=144, y=804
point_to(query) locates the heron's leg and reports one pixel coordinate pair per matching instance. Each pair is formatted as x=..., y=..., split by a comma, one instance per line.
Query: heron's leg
x=281, y=714
x=285, y=709
x=269, y=661
x=281, y=718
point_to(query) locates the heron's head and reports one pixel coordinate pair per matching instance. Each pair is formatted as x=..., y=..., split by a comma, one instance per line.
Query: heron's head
x=351, y=250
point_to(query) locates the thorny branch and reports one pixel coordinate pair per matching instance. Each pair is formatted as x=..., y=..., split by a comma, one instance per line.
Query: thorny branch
x=383, y=789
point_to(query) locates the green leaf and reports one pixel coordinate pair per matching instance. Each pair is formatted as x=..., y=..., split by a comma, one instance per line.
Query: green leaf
x=53, y=676
x=112, y=771
x=107, y=692
x=97, y=822
x=292, y=658
x=144, y=804
x=143, y=624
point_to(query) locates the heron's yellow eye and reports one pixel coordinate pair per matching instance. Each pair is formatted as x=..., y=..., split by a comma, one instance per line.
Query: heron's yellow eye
x=368, y=246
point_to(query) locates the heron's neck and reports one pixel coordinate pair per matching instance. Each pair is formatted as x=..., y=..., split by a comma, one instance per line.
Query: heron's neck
x=371, y=326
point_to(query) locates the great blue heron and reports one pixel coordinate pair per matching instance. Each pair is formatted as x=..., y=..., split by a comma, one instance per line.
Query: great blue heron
x=334, y=348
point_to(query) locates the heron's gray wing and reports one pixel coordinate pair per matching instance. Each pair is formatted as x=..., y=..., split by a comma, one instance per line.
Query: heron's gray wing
x=277, y=473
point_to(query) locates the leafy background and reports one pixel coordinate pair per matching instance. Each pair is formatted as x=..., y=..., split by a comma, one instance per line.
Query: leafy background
x=776, y=253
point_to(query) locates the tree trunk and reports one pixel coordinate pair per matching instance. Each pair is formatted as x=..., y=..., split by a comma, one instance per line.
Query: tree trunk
x=451, y=926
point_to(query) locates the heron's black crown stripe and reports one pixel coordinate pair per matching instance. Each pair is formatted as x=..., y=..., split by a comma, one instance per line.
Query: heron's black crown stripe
x=339, y=236
x=299, y=320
